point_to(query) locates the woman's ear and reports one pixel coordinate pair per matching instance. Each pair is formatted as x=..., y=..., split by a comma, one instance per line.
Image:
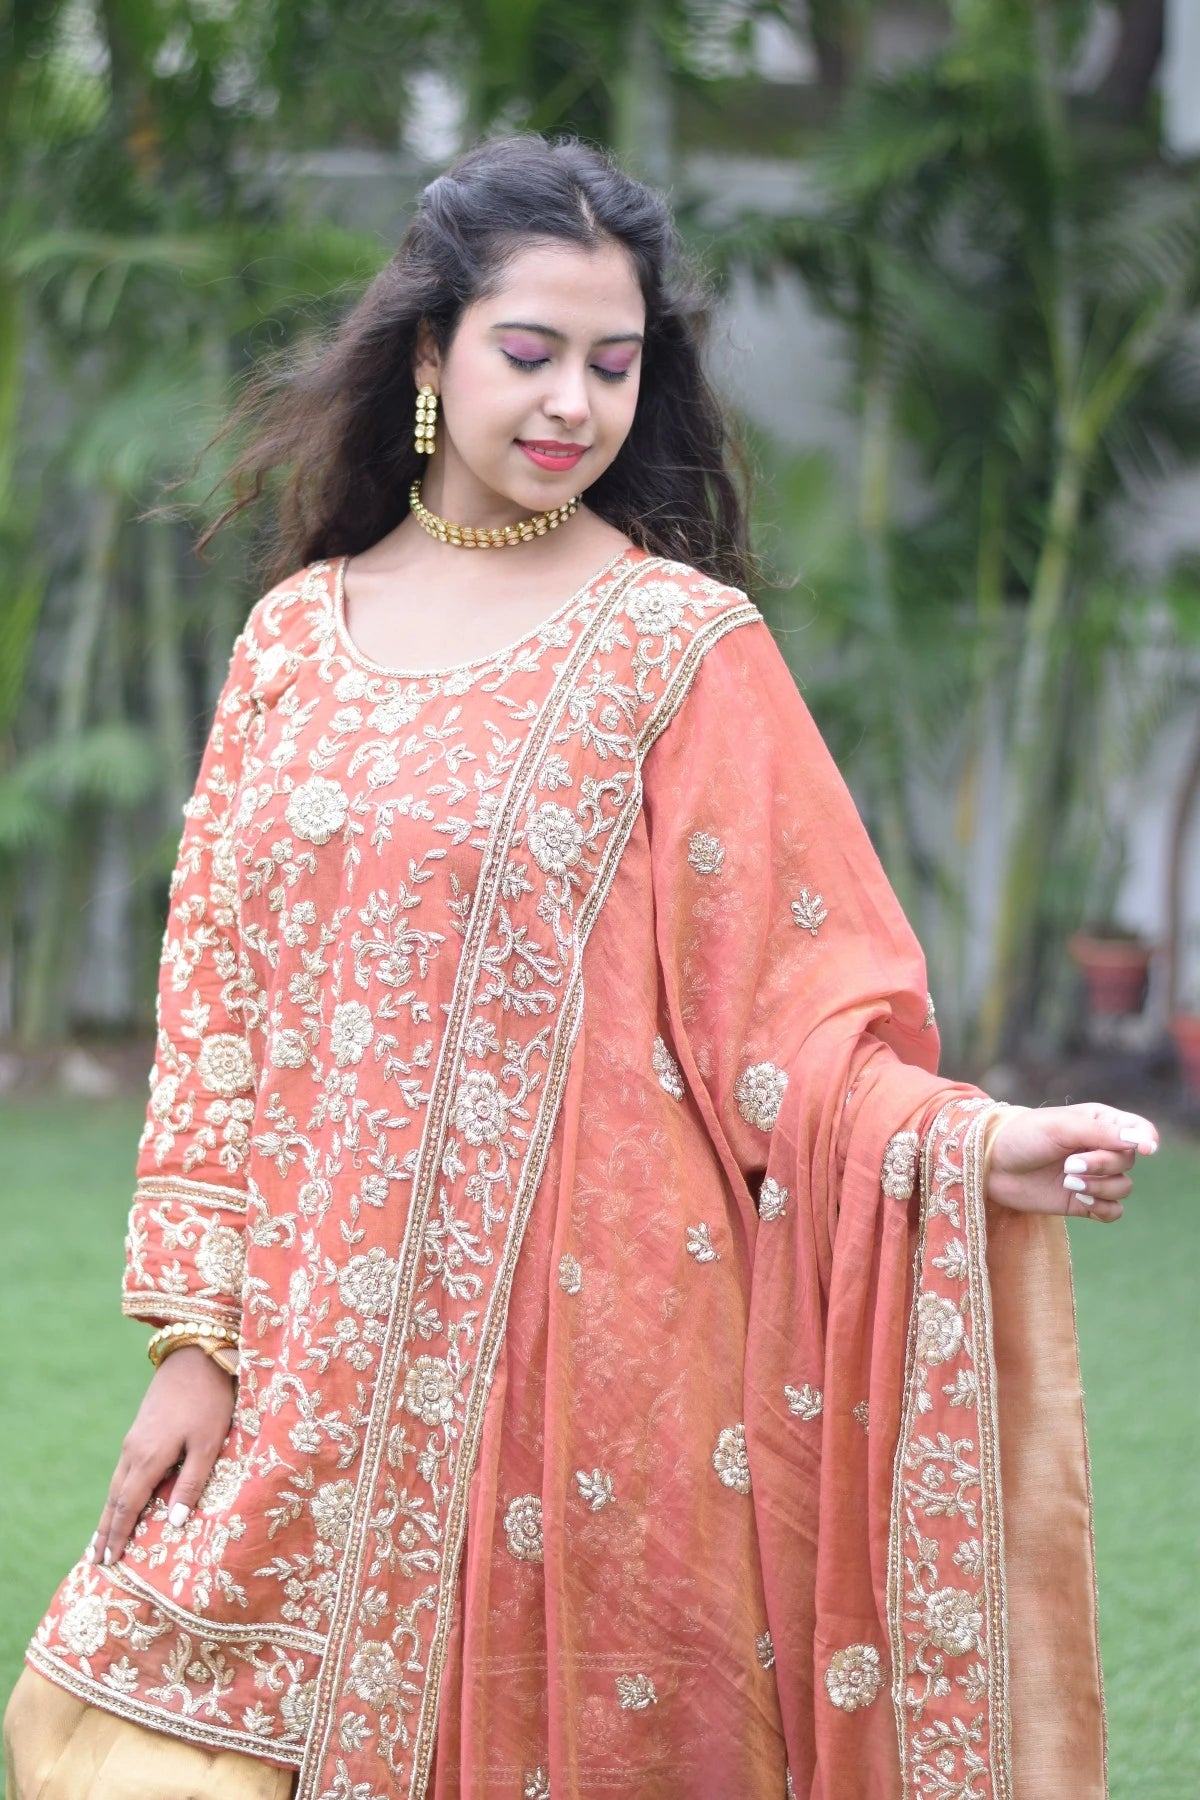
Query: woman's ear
x=427, y=362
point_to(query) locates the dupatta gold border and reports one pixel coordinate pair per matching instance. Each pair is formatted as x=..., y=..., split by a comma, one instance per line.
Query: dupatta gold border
x=947, y=1602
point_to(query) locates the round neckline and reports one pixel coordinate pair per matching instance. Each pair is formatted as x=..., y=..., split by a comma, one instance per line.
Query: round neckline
x=476, y=662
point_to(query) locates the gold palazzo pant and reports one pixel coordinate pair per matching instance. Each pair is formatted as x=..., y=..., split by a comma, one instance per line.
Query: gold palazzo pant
x=60, y=1748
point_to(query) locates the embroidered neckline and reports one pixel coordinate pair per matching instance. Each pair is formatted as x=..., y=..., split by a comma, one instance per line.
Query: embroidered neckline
x=492, y=657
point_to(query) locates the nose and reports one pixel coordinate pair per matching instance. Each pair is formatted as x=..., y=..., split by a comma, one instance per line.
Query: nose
x=568, y=401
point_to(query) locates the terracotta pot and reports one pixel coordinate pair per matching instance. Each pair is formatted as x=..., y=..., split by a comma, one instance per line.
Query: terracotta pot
x=1185, y=1029
x=1115, y=971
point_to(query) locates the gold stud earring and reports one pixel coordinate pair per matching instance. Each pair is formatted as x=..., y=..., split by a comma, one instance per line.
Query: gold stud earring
x=427, y=404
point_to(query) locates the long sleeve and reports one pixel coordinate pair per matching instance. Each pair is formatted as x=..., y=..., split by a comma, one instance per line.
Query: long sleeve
x=184, y=1253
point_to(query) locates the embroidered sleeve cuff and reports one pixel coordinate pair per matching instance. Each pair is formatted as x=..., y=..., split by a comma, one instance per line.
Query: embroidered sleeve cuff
x=185, y=1252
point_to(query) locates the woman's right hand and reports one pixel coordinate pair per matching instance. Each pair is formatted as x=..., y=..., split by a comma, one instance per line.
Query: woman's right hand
x=184, y=1418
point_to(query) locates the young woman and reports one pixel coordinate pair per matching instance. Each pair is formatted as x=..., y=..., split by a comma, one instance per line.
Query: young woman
x=596, y=1352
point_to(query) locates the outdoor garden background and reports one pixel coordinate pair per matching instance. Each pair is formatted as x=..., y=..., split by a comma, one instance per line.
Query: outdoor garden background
x=958, y=255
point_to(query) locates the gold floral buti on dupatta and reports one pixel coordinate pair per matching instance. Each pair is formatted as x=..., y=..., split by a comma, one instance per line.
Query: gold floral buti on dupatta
x=546, y=1087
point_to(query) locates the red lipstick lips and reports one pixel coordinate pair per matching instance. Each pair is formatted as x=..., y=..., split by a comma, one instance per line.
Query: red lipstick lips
x=550, y=453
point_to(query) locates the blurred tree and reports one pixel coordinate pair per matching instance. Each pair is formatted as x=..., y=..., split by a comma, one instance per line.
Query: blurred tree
x=1019, y=287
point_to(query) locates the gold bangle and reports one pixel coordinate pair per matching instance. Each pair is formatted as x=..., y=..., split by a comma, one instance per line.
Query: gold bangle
x=187, y=1331
x=1003, y=1111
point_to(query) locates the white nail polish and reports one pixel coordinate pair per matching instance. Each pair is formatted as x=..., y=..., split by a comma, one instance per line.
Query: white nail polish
x=1133, y=1134
x=178, y=1514
x=1075, y=1165
x=1086, y=1199
x=108, y=1556
x=1076, y=1185
x=89, y=1554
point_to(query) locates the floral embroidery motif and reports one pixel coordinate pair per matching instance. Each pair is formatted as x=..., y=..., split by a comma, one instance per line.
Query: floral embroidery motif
x=862, y=1414
x=706, y=853
x=596, y=1488
x=523, y=1528
x=853, y=1677
x=331, y=1507
x=226, y=1065
x=570, y=1274
x=772, y=1199
x=804, y=1402
x=537, y=1785
x=809, y=911
x=636, y=1692
x=221, y=1259
x=930, y=1015
x=429, y=1389
x=764, y=1649
x=375, y=1675
x=900, y=1165
x=656, y=608
x=84, y=1625
x=700, y=1244
x=351, y=1033
x=667, y=1070
x=555, y=838
x=730, y=1461
x=317, y=809
x=759, y=1094
x=481, y=1110
x=939, y=1328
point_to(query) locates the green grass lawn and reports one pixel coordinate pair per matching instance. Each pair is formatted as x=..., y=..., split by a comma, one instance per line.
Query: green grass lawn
x=71, y=1372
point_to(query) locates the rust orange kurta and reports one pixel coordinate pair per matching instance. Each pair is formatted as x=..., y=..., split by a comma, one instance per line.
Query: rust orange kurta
x=546, y=1088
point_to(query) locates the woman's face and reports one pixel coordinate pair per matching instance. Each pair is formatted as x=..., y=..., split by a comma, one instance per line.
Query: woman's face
x=538, y=388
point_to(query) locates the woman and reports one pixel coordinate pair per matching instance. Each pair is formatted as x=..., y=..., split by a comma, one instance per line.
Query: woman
x=651, y=1377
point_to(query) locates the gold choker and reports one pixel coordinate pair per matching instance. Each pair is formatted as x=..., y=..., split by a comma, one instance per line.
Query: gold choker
x=484, y=537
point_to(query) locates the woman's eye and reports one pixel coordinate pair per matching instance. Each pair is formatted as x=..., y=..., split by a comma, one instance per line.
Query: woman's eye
x=523, y=362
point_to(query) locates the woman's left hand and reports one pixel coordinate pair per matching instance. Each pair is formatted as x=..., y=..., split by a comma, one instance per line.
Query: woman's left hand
x=1068, y=1159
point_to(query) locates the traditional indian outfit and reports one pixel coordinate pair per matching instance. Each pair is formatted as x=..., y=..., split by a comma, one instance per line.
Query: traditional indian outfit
x=637, y=1395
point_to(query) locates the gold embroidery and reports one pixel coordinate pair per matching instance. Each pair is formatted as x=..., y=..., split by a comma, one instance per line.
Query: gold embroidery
x=772, y=1199
x=636, y=1692
x=809, y=911
x=730, y=1461
x=706, y=853
x=537, y=1785
x=523, y=1528
x=805, y=1402
x=667, y=1070
x=853, y=1677
x=862, y=1413
x=948, y=1625
x=700, y=1244
x=570, y=1274
x=764, y=1649
x=759, y=1094
x=930, y=1015
x=900, y=1165
x=596, y=1488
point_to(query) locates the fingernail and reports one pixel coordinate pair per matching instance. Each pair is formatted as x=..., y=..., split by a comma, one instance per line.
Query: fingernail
x=1075, y=1184
x=108, y=1555
x=89, y=1554
x=1086, y=1199
x=1075, y=1165
x=1133, y=1134
x=178, y=1514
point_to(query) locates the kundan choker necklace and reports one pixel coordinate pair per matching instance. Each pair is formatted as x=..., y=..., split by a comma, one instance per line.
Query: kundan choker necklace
x=488, y=537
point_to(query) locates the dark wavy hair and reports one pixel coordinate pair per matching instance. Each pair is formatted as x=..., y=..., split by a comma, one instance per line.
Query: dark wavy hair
x=330, y=431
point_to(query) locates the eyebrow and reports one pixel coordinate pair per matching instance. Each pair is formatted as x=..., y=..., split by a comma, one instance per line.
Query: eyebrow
x=620, y=337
